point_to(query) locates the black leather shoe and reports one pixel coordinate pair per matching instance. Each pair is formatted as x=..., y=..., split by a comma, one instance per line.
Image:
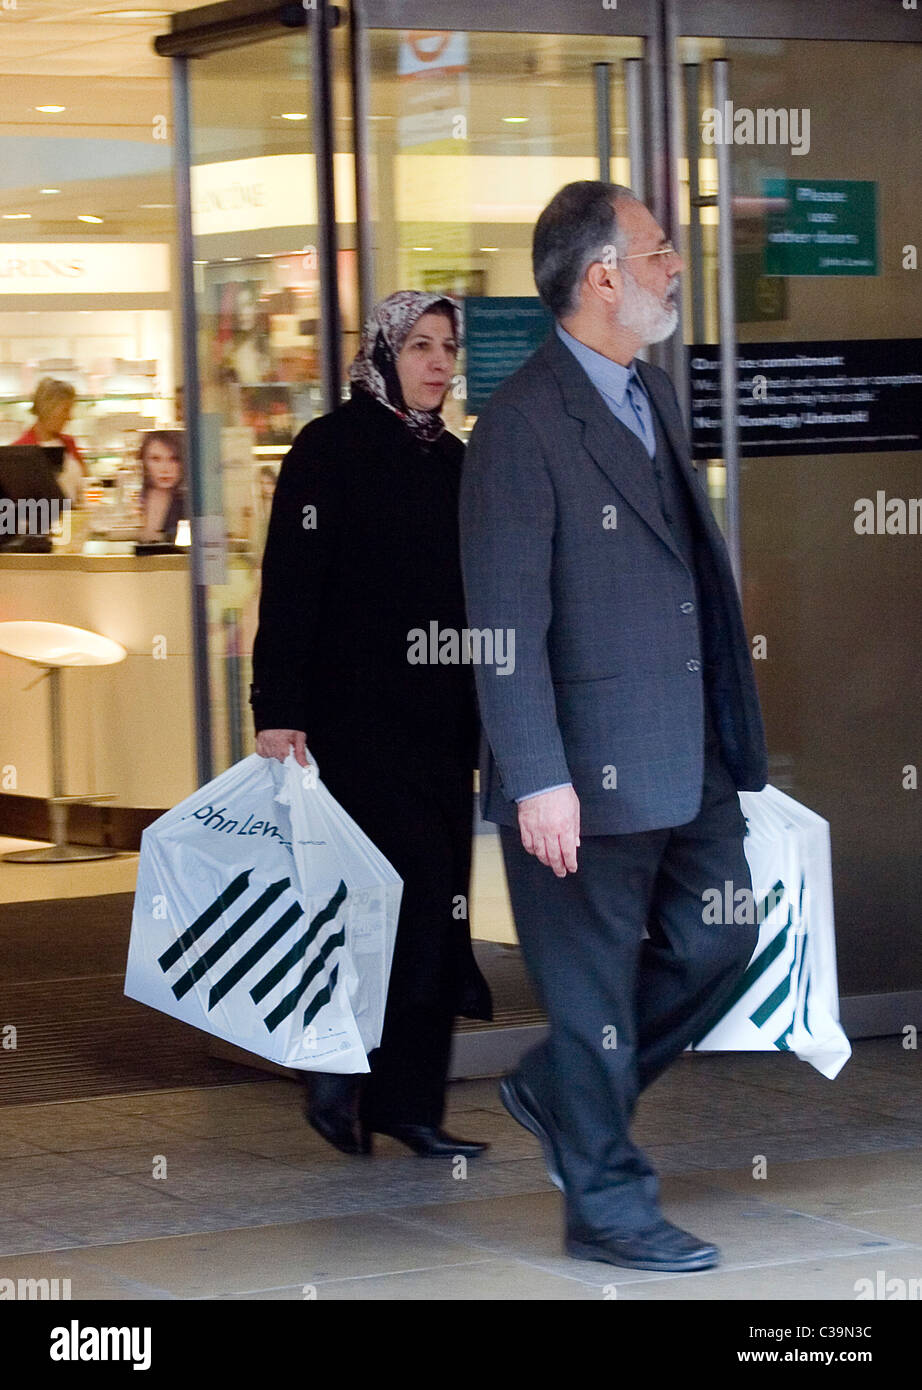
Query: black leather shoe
x=661, y=1247
x=330, y=1108
x=425, y=1140
x=522, y=1106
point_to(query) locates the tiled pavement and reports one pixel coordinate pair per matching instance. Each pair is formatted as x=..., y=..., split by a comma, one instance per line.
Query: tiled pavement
x=255, y=1206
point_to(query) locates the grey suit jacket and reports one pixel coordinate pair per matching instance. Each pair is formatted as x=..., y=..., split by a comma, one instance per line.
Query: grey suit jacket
x=564, y=544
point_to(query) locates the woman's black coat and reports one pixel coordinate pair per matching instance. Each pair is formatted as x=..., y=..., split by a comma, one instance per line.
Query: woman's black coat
x=343, y=586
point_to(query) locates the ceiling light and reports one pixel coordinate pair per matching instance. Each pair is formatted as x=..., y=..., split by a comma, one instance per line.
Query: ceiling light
x=87, y=217
x=155, y=205
x=516, y=120
x=294, y=115
x=16, y=216
x=50, y=110
x=231, y=258
x=49, y=190
x=489, y=248
x=420, y=248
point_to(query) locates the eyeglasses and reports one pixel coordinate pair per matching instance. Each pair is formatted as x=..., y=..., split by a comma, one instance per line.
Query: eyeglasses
x=667, y=250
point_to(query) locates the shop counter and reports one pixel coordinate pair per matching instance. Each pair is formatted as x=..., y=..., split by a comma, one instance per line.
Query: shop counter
x=129, y=728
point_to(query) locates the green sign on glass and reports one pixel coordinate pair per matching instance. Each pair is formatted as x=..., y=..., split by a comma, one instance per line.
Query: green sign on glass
x=826, y=227
x=500, y=333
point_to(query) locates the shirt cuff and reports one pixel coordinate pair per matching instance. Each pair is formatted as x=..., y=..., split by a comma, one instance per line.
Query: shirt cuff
x=556, y=788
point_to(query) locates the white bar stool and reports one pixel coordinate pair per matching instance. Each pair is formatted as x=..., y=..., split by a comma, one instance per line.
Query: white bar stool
x=53, y=646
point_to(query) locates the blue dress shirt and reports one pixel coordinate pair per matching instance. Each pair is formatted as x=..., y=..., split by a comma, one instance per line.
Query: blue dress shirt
x=620, y=388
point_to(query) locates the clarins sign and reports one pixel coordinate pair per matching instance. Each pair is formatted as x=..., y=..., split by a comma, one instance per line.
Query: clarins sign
x=40, y=268
x=96, y=268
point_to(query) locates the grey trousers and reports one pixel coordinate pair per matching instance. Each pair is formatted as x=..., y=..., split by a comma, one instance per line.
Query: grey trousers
x=621, y=1006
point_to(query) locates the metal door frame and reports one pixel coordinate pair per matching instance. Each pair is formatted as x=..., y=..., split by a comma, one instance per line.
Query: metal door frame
x=873, y=21
x=197, y=34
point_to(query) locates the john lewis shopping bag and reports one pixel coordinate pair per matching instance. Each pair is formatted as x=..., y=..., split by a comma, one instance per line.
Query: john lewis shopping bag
x=787, y=1000
x=265, y=916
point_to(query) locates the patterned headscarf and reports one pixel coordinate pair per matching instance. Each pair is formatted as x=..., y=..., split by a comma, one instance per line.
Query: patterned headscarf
x=374, y=367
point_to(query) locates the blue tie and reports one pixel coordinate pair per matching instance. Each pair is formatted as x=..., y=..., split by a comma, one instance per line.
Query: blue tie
x=641, y=407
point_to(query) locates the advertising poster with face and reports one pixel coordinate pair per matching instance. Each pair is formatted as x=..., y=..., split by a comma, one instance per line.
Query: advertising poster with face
x=242, y=339
x=163, y=484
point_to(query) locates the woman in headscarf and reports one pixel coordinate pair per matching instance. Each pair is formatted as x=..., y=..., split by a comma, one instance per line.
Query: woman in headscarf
x=362, y=555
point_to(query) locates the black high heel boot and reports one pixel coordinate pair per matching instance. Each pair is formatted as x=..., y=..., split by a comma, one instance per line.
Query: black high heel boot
x=426, y=1141
x=330, y=1107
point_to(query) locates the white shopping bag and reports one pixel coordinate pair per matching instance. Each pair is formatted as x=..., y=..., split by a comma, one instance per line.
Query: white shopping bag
x=787, y=1000
x=265, y=916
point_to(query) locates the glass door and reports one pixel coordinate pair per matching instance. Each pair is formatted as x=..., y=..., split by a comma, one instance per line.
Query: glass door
x=471, y=134
x=443, y=145
x=254, y=218
x=260, y=318
x=802, y=309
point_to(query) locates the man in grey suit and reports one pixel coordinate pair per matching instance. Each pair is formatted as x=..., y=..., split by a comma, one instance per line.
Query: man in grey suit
x=615, y=747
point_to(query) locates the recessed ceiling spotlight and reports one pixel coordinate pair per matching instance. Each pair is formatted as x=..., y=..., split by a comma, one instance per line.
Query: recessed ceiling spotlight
x=49, y=190
x=16, y=216
x=87, y=217
x=516, y=120
x=50, y=110
x=420, y=248
x=155, y=205
x=294, y=115
x=489, y=248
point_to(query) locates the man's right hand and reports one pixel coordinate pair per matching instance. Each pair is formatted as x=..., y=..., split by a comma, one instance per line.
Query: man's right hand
x=549, y=825
x=277, y=743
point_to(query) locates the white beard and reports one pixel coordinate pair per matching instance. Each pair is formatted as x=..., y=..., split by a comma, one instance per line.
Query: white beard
x=643, y=314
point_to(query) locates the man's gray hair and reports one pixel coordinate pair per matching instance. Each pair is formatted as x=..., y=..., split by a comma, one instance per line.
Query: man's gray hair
x=575, y=228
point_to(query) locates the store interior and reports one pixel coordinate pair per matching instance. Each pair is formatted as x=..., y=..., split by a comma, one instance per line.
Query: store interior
x=468, y=135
